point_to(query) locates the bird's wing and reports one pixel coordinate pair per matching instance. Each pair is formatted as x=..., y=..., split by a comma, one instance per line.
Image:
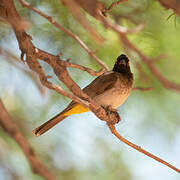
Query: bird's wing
x=98, y=86
x=102, y=83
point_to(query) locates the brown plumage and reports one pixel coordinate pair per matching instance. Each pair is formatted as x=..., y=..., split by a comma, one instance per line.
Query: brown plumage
x=110, y=89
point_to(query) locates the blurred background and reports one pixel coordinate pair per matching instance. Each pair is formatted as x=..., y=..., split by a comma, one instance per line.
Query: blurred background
x=82, y=147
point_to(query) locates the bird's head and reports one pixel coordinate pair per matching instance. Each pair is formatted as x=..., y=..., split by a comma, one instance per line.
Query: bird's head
x=122, y=64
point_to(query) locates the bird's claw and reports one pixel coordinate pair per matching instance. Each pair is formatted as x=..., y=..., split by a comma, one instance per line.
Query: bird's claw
x=112, y=114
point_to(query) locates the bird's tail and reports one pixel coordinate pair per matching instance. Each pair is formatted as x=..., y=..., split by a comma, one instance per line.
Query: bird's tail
x=70, y=110
x=49, y=124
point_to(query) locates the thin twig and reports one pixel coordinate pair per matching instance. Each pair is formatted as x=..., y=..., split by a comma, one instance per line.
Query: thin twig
x=32, y=53
x=148, y=61
x=143, y=88
x=173, y=4
x=137, y=29
x=48, y=58
x=77, y=66
x=138, y=148
x=109, y=9
x=74, y=8
x=161, y=56
x=68, y=32
x=154, y=70
x=12, y=129
x=152, y=67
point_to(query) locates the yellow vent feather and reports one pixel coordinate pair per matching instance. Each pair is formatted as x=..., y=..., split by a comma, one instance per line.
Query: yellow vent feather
x=77, y=109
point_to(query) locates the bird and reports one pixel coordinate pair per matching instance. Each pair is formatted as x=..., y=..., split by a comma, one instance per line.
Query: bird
x=108, y=90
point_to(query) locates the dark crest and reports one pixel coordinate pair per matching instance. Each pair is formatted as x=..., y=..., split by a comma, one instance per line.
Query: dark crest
x=122, y=57
x=122, y=64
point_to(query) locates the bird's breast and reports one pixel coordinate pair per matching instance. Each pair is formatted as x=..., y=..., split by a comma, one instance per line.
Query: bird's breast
x=113, y=97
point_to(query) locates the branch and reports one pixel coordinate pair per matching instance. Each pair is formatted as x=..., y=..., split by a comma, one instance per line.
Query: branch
x=11, y=128
x=171, y=4
x=8, y=12
x=143, y=88
x=48, y=58
x=32, y=53
x=109, y=9
x=74, y=8
x=79, y=96
x=162, y=79
x=12, y=59
x=138, y=148
x=148, y=61
x=77, y=66
x=68, y=32
x=150, y=64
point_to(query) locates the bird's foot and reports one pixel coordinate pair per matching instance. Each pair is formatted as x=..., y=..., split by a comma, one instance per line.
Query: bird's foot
x=112, y=114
